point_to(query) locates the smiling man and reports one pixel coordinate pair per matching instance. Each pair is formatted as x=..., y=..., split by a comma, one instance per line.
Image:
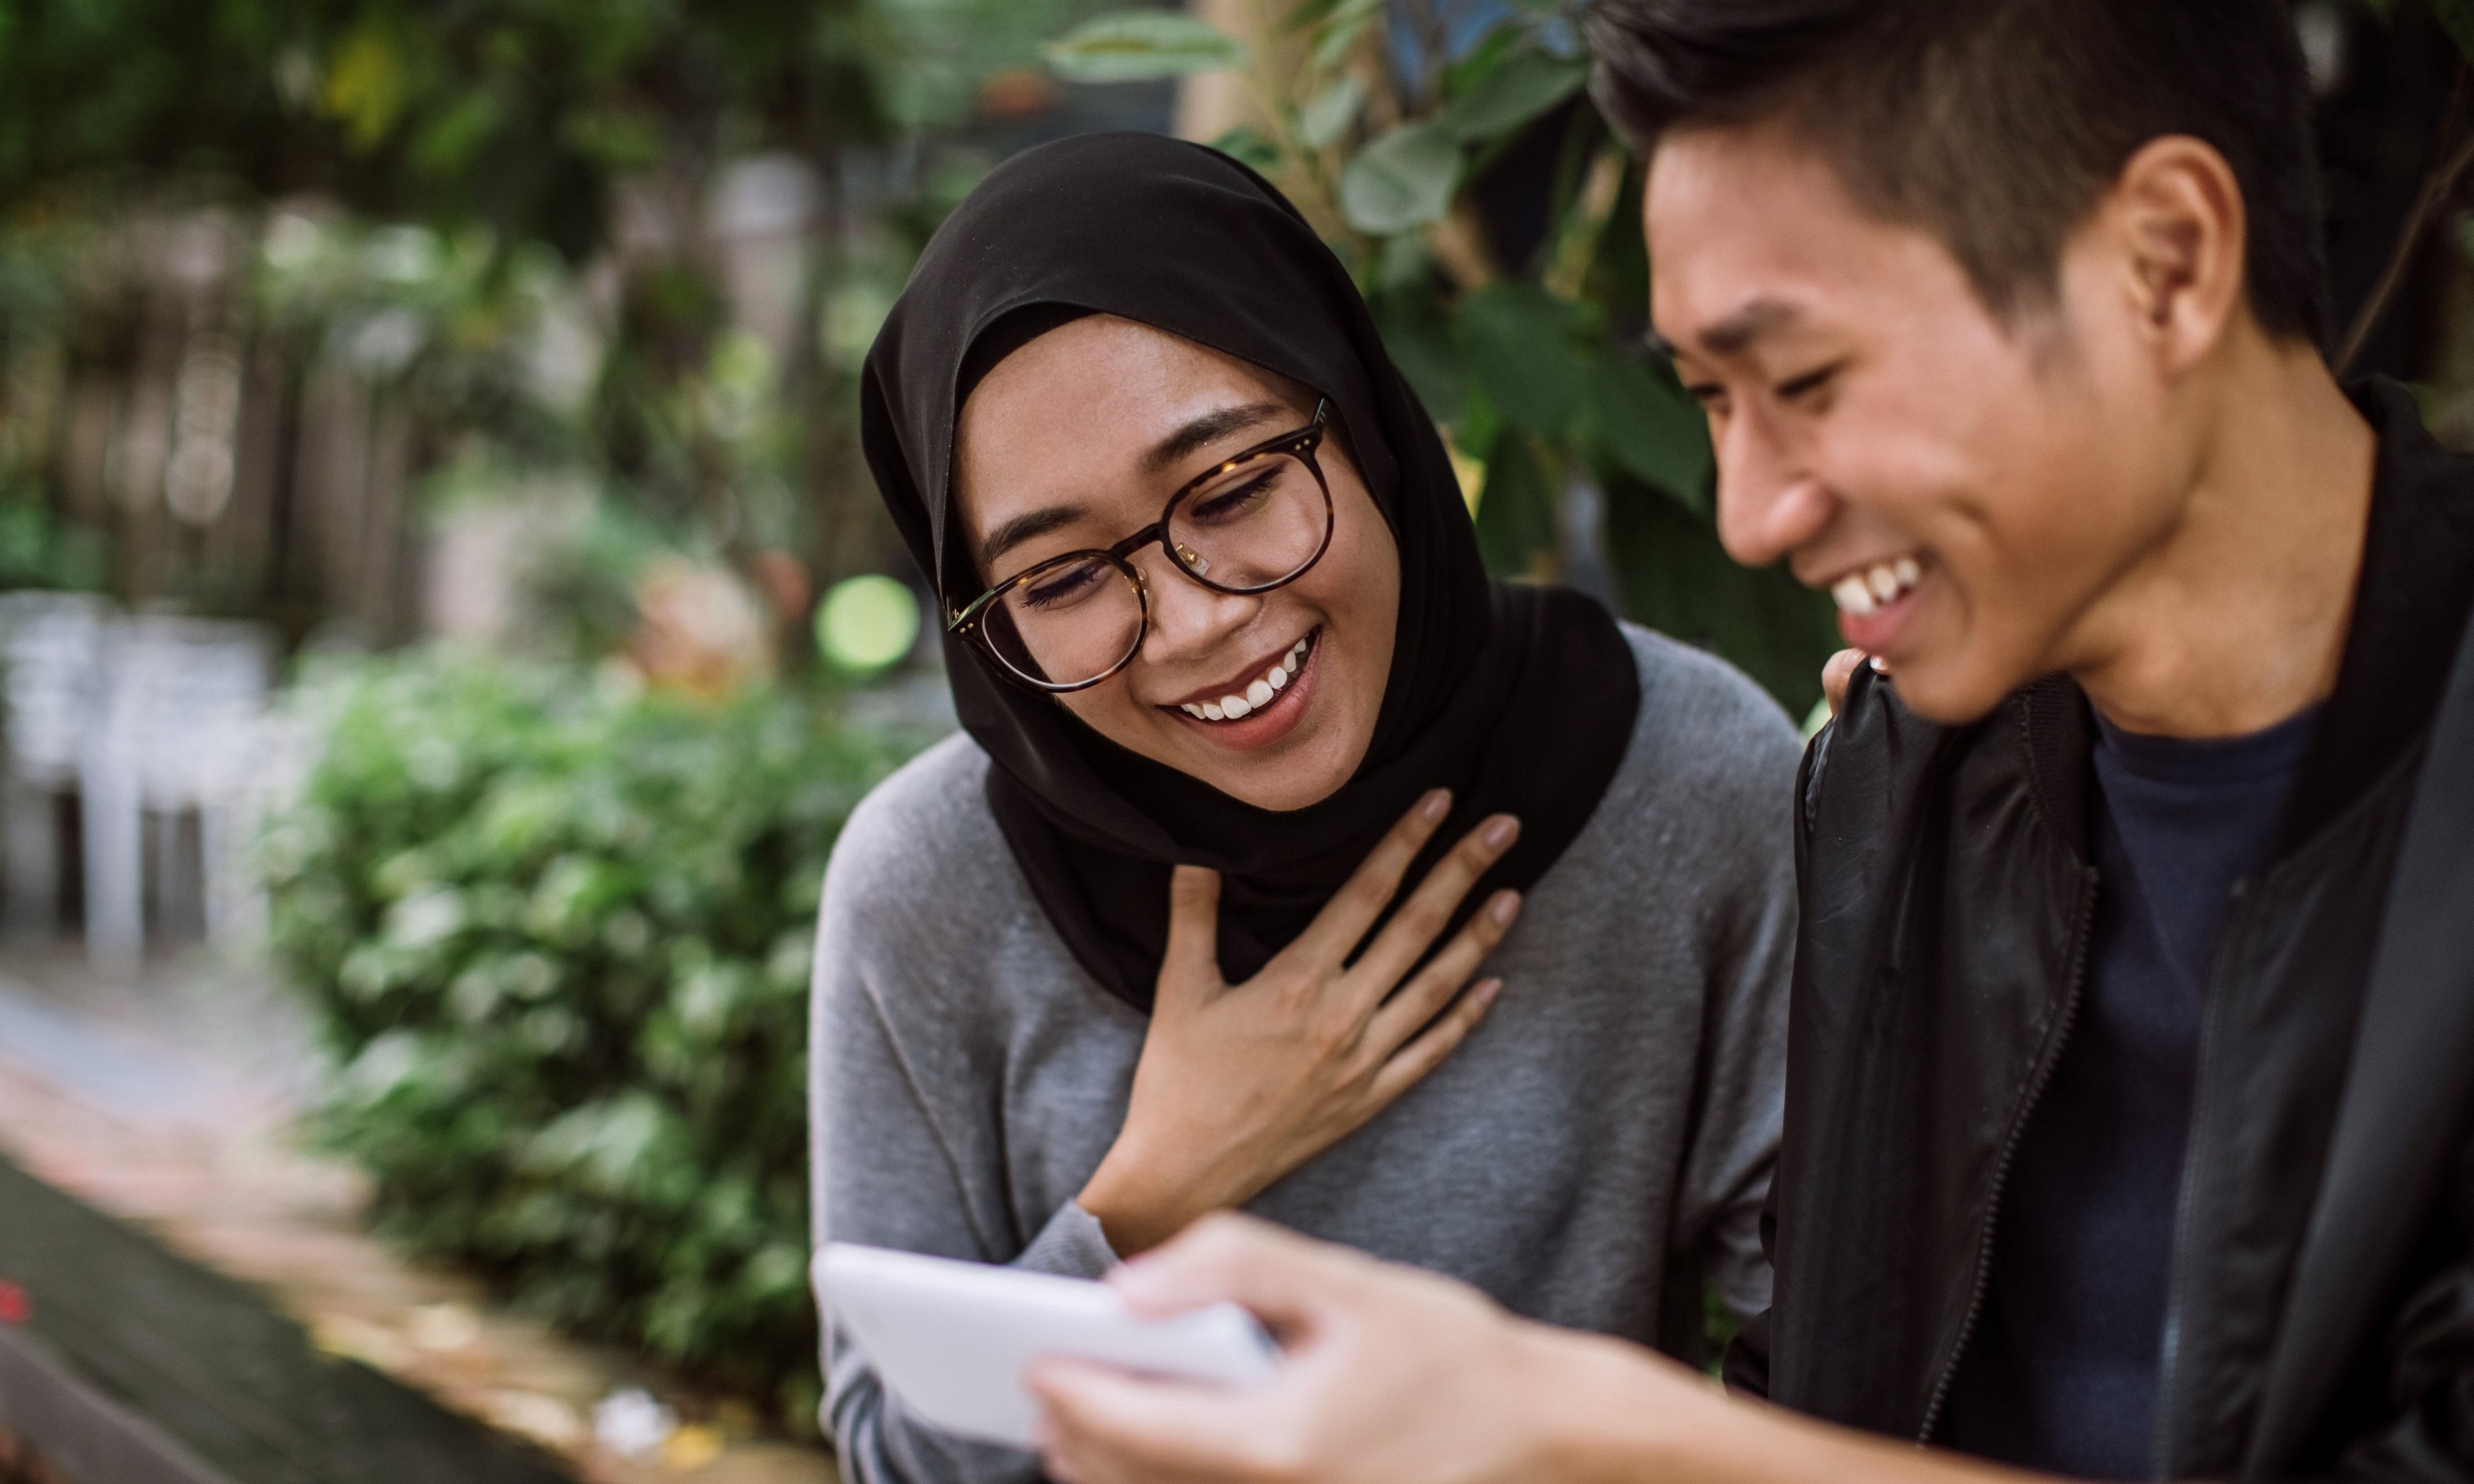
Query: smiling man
x=2127, y=1127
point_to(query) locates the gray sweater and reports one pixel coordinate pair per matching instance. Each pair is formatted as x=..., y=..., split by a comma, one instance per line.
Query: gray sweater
x=1595, y=1153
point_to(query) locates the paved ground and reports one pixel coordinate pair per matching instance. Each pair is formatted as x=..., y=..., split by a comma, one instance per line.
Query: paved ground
x=165, y=1098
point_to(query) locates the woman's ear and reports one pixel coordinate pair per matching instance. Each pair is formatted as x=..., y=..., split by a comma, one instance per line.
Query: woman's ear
x=2174, y=221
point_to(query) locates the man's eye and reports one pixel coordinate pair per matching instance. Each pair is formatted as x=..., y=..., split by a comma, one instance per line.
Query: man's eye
x=1708, y=393
x=1809, y=381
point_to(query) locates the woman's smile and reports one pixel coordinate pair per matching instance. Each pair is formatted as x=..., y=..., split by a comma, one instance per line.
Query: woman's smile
x=1260, y=707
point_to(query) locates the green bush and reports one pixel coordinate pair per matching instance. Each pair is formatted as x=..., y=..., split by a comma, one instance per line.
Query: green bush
x=559, y=942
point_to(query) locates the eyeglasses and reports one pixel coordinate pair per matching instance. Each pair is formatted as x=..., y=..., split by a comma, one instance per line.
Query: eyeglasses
x=1252, y=523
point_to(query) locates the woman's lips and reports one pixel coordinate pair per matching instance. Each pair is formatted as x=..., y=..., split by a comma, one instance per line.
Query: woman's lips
x=1252, y=723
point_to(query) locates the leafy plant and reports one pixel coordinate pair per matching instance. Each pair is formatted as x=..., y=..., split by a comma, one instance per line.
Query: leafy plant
x=559, y=942
x=1388, y=124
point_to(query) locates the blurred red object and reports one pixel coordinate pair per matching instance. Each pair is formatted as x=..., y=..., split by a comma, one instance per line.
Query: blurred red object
x=1016, y=93
x=16, y=1308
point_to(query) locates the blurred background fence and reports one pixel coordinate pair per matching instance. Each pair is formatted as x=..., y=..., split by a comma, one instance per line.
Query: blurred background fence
x=433, y=427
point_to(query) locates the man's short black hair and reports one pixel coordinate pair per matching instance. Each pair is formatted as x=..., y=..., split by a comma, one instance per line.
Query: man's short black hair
x=1996, y=125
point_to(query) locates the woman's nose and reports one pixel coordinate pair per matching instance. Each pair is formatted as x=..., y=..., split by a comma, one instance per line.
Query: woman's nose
x=1186, y=615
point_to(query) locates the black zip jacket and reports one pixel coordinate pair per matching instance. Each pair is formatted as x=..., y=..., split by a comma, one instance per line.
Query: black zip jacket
x=2320, y=1320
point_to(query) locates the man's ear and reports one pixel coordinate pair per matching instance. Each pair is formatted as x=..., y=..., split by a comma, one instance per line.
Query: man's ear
x=2177, y=229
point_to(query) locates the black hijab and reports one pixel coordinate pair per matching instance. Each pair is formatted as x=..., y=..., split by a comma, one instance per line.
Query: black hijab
x=1518, y=699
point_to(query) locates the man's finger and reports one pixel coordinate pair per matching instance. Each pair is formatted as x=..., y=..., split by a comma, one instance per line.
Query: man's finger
x=1193, y=958
x=1282, y=1277
x=1361, y=898
x=1104, y=1426
x=1836, y=675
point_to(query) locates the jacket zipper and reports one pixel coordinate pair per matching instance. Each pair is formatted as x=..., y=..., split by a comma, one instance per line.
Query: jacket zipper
x=2170, y=1351
x=2077, y=981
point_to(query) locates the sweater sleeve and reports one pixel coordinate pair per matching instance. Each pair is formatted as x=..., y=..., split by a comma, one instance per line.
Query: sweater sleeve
x=888, y=1175
x=1748, y=957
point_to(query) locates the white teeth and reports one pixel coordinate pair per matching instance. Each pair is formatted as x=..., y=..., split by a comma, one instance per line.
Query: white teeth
x=1877, y=587
x=1258, y=694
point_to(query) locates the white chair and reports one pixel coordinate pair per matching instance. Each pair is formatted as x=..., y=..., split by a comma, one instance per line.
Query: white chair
x=51, y=650
x=182, y=726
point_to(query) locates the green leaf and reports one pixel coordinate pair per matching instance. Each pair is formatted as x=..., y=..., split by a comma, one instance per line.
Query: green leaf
x=1324, y=119
x=1516, y=512
x=1249, y=145
x=1140, y=46
x=1519, y=340
x=2457, y=18
x=1404, y=178
x=1347, y=21
x=1644, y=425
x=1675, y=578
x=1523, y=85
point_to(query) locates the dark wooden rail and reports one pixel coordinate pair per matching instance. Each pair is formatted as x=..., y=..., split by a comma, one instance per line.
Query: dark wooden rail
x=132, y=1366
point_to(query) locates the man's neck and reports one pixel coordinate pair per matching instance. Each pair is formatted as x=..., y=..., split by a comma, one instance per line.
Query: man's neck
x=2236, y=620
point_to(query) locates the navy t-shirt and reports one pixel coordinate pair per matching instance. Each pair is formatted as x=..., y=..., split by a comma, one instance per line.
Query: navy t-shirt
x=2061, y=1372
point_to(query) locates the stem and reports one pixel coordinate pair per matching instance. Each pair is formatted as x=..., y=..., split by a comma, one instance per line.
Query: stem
x=2435, y=188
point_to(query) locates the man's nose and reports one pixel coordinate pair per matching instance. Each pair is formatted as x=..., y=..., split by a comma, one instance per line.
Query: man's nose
x=1769, y=502
x=1186, y=616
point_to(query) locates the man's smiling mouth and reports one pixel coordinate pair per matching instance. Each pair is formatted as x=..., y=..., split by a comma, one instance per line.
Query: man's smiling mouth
x=1258, y=692
x=1863, y=592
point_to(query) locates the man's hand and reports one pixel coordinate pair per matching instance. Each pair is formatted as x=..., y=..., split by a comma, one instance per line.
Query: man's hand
x=1392, y=1376
x=1397, y=1376
x=1840, y=669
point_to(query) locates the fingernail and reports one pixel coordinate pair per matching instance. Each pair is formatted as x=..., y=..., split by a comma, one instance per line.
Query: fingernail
x=1501, y=832
x=1436, y=804
x=1880, y=666
x=1485, y=993
x=1504, y=908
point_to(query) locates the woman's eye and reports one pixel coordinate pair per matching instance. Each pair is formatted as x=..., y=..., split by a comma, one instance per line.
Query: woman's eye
x=1235, y=500
x=1061, y=587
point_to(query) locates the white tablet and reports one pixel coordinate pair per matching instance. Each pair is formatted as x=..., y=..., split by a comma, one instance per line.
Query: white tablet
x=951, y=1340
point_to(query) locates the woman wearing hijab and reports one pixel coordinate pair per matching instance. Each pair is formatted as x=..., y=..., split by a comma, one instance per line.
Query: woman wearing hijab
x=1229, y=671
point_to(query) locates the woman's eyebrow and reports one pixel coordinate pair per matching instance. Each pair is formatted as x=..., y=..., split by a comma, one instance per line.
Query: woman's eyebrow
x=1024, y=527
x=1208, y=429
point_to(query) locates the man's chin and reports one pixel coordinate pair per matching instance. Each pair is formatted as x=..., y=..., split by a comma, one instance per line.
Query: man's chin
x=1950, y=692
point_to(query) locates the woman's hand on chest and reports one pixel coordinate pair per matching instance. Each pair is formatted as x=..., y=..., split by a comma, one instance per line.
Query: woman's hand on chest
x=1240, y=1084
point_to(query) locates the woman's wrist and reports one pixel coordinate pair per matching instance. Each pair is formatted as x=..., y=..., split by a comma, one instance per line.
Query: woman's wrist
x=1138, y=1203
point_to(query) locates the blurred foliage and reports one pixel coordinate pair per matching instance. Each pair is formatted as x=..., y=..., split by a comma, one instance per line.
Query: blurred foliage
x=559, y=940
x=508, y=217
x=1393, y=125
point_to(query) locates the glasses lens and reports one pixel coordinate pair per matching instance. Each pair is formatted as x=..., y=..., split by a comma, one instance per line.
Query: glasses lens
x=1255, y=526
x=1067, y=622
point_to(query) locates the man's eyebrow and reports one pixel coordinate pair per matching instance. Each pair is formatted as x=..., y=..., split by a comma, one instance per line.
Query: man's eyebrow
x=1022, y=528
x=1208, y=429
x=1737, y=332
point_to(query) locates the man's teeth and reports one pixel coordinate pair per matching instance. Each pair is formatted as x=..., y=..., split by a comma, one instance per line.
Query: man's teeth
x=1258, y=693
x=1877, y=587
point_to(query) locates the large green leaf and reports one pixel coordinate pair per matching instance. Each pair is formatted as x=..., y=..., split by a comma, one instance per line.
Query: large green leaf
x=1675, y=578
x=1644, y=425
x=1137, y=46
x=1520, y=342
x=1517, y=89
x=1404, y=178
x=1326, y=117
x=1516, y=510
x=2457, y=17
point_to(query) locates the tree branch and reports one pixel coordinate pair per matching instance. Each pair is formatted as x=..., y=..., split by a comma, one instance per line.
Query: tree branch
x=2444, y=175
